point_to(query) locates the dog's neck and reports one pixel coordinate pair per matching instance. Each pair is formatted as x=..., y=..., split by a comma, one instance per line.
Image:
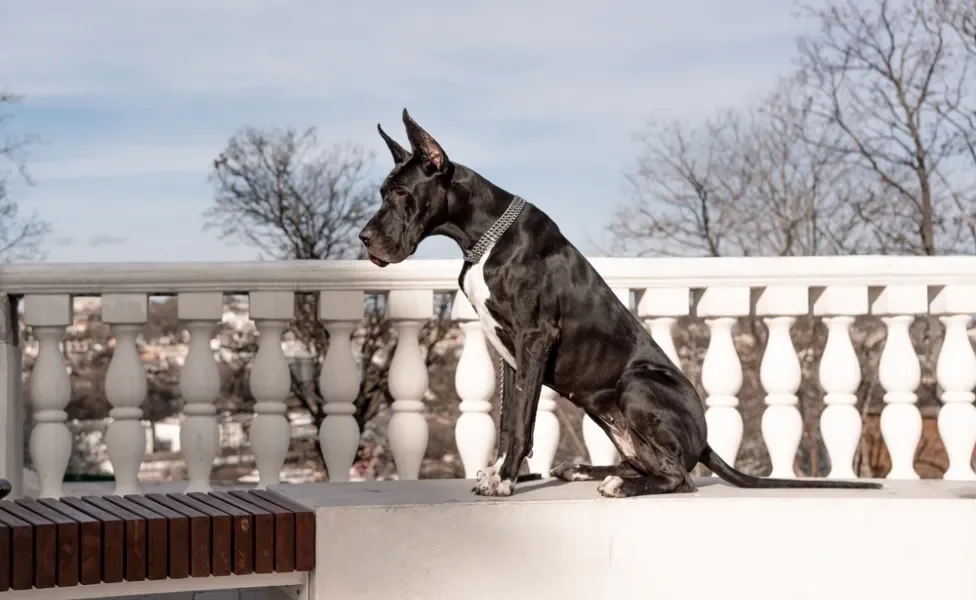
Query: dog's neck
x=473, y=206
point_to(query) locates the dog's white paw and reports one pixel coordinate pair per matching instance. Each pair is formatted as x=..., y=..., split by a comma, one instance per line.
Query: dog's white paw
x=490, y=483
x=611, y=487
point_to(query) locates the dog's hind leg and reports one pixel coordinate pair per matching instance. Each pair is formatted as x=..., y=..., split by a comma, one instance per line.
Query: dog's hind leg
x=568, y=471
x=615, y=486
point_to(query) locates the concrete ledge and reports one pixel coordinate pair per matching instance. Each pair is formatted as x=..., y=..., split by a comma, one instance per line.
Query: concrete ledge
x=433, y=539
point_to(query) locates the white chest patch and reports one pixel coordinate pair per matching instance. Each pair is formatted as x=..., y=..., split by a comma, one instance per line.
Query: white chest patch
x=477, y=292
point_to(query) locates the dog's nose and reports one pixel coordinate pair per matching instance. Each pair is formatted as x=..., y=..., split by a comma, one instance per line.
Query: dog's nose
x=366, y=235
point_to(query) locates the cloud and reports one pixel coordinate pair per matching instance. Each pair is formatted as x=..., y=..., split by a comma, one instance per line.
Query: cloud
x=134, y=99
x=105, y=240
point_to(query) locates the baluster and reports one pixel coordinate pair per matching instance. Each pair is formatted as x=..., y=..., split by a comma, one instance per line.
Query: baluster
x=780, y=375
x=270, y=382
x=475, y=382
x=545, y=435
x=598, y=445
x=900, y=373
x=956, y=374
x=721, y=373
x=199, y=386
x=126, y=388
x=409, y=310
x=11, y=405
x=50, y=439
x=840, y=375
x=660, y=308
x=339, y=381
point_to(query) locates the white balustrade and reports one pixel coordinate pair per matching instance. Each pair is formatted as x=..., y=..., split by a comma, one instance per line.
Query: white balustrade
x=955, y=372
x=780, y=375
x=50, y=388
x=660, y=308
x=721, y=372
x=270, y=382
x=126, y=388
x=840, y=375
x=779, y=290
x=545, y=435
x=199, y=386
x=900, y=373
x=475, y=381
x=409, y=310
x=339, y=380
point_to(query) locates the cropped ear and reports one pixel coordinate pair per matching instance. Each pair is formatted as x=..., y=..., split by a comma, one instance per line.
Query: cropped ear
x=422, y=143
x=399, y=153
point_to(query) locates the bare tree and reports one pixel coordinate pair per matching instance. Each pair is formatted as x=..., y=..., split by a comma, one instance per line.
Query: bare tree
x=882, y=75
x=685, y=191
x=280, y=192
x=742, y=184
x=21, y=235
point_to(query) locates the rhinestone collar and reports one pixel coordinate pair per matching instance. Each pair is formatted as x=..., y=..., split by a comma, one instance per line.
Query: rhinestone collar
x=495, y=231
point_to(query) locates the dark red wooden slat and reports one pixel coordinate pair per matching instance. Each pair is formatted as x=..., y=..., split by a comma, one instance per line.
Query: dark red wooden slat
x=157, y=551
x=21, y=551
x=284, y=530
x=45, y=545
x=242, y=532
x=135, y=537
x=178, y=529
x=68, y=552
x=263, y=525
x=221, y=534
x=304, y=527
x=4, y=558
x=113, y=538
x=200, y=534
x=90, y=540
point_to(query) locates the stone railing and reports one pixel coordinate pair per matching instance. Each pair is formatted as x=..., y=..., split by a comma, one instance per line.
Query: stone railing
x=718, y=290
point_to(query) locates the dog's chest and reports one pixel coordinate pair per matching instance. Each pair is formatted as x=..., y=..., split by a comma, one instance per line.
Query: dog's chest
x=476, y=289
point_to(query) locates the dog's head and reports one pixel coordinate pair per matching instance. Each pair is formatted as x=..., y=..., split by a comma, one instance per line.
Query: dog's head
x=414, y=197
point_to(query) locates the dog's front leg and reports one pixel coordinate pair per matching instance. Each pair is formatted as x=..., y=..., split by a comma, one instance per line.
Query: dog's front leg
x=518, y=412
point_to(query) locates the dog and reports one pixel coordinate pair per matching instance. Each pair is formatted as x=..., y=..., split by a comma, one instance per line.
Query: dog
x=554, y=321
x=5, y=488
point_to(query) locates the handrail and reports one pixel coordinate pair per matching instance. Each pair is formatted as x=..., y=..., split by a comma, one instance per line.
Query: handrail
x=441, y=274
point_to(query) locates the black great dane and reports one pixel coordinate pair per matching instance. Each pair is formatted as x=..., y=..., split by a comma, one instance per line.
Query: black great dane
x=554, y=321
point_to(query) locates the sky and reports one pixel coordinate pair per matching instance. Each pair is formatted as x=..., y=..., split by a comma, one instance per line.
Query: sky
x=132, y=101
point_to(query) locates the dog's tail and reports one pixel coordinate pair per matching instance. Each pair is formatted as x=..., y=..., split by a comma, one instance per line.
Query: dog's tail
x=713, y=461
x=5, y=488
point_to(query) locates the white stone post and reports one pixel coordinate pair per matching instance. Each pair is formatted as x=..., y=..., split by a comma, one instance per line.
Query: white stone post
x=780, y=375
x=339, y=380
x=475, y=382
x=409, y=310
x=126, y=388
x=545, y=434
x=11, y=403
x=660, y=308
x=721, y=369
x=199, y=387
x=956, y=374
x=900, y=373
x=840, y=375
x=270, y=383
x=50, y=439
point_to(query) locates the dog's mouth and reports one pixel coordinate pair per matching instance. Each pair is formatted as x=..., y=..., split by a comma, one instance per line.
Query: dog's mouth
x=376, y=260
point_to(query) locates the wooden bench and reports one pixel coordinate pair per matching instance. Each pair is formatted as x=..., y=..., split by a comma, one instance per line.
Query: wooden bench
x=50, y=544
